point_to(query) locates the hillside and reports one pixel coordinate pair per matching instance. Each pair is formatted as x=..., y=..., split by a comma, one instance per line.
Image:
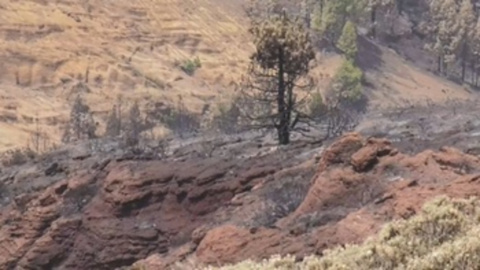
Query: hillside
x=78, y=208
x=128, y=48
x=51, y=51
x=230, y=199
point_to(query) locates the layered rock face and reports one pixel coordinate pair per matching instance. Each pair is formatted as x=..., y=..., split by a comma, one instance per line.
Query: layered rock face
x=109, y=214
x=105, y=214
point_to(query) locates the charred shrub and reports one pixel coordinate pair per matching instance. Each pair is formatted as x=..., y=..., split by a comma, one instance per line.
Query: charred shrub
x=18, y=156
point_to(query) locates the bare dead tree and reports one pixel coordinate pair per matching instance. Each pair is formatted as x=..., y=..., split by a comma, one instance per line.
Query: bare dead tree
x=134, y=126
x=339, y=118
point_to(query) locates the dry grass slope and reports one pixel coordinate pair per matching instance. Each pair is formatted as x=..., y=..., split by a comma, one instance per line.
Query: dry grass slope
x=445, y=235
x=52, y=50
x=133, y=48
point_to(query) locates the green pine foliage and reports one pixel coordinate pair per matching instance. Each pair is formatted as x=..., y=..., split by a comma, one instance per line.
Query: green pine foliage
x=347, y=42
x=330, y=16
x=282, y=47
x=347, y=83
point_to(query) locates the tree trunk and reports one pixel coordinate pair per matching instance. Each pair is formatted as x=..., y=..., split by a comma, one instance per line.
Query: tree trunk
x=464, y=60
x=442, y=65
x=476, y=76
x=474, y=70
x=439, y=64
x=373, y=20
x=283, y=125
x=400, y=6
x=471, y=71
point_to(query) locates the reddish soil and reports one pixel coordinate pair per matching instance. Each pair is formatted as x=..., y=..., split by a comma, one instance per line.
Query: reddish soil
x=359, y=185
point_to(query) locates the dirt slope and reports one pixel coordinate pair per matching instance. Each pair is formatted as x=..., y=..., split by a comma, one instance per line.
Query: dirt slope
x=51, y=51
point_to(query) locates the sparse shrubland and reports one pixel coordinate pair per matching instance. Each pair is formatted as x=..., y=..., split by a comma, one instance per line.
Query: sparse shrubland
x=134, y=127
x=444, y=235
x=38, y=144
x=227, y=119
x=81, y=124
x=317, y=108
x=134, y=130
x=179, y=120
x=114, y=121
x=17, y=156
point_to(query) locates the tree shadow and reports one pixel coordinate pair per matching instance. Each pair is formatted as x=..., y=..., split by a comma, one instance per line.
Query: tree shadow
x=369, y=54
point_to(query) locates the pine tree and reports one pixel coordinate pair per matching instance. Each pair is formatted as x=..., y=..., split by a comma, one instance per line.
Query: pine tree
x=347, y=83
x=467, y=31
x=331, y=15
x=347, y=42
x=475, y=49
x=305, y=12
x=113, y=128
x=134, y=126
x=445, y=28
x=373, y=6
x=81, y=124
x=317, y=107
x=258, y=10
x=279, y=67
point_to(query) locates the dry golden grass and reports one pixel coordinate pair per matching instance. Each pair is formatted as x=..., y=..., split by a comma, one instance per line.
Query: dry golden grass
x=396, y=81
x=444, y=236
x=135, y=49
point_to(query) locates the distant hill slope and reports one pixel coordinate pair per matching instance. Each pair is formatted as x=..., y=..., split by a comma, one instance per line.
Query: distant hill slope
x=51, y=51
x=134, y=48
x=394, y=81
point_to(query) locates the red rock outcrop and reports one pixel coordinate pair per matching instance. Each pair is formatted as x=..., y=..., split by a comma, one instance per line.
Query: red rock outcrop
x=122, y=212
x=223, y=210
x=360, y=184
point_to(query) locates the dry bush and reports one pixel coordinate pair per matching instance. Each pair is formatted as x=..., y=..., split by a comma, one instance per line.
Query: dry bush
x=81, y=124
x=227, y=119
x=114, y=122
x=444, y=235
x=332, y=115
x=17, y=157
x=281, y=201
x=317, y=108
x=134, y=130
x=191, y=65
x=179, y=120
x=134, y=127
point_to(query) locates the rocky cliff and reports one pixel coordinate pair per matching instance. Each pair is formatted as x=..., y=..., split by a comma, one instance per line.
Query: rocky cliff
x=88, y=212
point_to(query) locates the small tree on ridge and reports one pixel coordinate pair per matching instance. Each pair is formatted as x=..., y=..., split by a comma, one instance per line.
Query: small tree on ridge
x=279, y=68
